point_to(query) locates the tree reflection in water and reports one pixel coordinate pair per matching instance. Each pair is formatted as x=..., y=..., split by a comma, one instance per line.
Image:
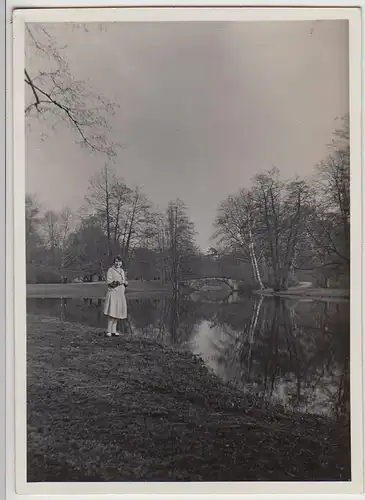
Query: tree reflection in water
x=293, y=352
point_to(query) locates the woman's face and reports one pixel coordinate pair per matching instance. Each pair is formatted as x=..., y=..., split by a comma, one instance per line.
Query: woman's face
x=118, y=264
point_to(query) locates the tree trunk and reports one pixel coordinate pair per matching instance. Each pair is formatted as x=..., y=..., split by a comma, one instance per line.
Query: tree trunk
x=254, y=264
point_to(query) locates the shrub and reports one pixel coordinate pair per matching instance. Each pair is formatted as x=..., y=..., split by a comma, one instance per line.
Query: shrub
x=36, y=275
x=47, y=277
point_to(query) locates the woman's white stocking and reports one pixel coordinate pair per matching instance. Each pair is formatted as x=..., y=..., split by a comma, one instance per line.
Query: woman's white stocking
x=110, y=325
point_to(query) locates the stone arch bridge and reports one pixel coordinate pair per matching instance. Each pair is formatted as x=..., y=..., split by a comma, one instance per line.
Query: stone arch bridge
x=210, y=284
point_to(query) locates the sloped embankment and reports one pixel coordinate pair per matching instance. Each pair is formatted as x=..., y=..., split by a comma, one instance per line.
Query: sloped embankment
x=130, y=409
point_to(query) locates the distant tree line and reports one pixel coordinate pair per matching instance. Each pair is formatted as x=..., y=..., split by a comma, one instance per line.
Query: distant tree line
x=268, y=234
x=115, y=219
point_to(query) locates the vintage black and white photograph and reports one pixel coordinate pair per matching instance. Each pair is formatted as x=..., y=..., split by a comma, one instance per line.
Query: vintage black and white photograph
x=187, y=231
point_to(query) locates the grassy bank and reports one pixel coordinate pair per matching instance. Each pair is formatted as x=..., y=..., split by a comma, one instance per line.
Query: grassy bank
x=130, y=409
x=92, y=290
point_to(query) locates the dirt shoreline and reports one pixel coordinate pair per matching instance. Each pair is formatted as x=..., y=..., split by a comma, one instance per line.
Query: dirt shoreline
x=131, y=409
x=314, y=293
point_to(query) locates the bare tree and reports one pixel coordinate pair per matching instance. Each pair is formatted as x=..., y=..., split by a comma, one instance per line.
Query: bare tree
x=106, y=196
x=180, y=241
x=234, y=230
x=330, y=223
x=33, y=219
x=56, y=228
x=66, y=218
x=267, y=191
x=297, y=205
x=282, y=208
x=171, y=236
x=123, y=212
x=51, y=235
x=135, y=220
x=156, y=237
x=266, y=225
x=53, y=93
x=66, y=223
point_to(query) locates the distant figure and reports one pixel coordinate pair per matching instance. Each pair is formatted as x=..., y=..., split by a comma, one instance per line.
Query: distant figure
x=115, y=304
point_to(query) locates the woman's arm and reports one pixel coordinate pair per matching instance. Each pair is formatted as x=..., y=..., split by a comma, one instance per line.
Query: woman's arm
x=125, y=281
x=109, y=276
x=110, y=279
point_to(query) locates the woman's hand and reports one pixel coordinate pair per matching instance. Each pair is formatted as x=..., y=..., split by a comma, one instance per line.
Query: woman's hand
x=114, y=284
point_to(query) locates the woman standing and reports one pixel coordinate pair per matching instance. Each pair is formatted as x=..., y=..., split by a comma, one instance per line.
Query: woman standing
x=115, y=304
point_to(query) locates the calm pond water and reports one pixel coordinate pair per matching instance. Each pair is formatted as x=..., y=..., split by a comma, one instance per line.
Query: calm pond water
x=287, y=351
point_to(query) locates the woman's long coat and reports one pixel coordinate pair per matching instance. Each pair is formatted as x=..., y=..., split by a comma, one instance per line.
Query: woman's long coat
x=115, y=303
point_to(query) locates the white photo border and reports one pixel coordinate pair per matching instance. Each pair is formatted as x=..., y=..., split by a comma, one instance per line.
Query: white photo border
x=15, y=251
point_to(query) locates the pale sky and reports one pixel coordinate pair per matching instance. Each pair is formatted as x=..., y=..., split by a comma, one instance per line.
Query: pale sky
x=202, y=108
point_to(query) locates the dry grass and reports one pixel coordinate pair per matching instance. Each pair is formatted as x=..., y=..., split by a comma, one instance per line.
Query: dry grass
x=130, y=409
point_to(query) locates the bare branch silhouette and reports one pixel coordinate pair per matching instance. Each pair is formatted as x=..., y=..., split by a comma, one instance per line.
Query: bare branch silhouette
x=54, y=92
